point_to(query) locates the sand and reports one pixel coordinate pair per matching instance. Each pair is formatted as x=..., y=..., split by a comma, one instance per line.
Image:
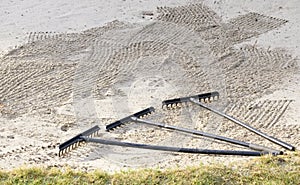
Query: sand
x=66, y=67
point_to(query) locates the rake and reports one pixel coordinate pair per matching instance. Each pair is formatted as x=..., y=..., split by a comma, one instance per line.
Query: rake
x=137, y=119
x=77, y=141
x=87, y=136
x=207, y=97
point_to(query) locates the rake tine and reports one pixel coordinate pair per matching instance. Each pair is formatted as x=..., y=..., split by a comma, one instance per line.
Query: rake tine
x=201, y=97
x=272, y=139
x=174, y=149
x=127, y=119
x=77, y=140
x=204, y=134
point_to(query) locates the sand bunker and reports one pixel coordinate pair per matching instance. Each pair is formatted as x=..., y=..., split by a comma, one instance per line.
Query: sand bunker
x=59, y=84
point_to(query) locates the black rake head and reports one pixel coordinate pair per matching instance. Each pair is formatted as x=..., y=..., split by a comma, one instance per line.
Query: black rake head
x=76, y=141
x=128, y=119
x=205, y=97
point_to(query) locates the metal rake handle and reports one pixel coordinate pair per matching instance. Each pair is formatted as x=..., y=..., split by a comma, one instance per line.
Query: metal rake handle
x=208, y=135
x=272, y=139
x=173, y=149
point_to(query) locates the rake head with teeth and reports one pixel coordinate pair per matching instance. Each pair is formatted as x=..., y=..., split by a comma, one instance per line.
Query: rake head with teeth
x=78, y=140
x=206, y=97
x=128, y=119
